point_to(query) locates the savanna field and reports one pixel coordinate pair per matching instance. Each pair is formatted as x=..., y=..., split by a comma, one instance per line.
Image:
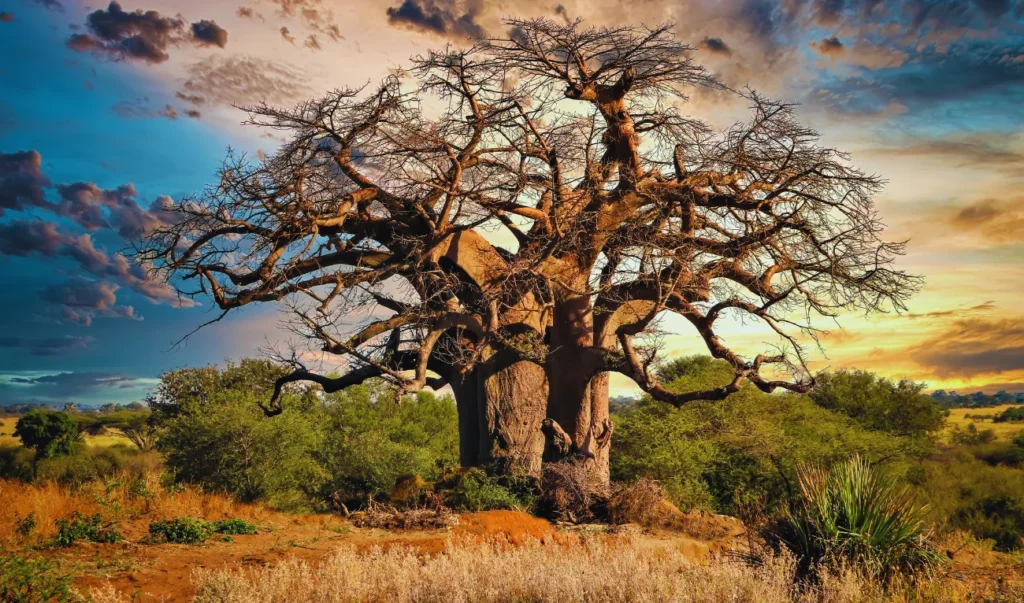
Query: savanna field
x=352, y=497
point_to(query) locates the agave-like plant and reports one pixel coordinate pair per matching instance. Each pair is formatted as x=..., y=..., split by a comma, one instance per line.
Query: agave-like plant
x=847, y=515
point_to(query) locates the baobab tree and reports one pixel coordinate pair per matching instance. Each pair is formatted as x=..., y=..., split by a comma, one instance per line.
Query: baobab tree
x=511, y=220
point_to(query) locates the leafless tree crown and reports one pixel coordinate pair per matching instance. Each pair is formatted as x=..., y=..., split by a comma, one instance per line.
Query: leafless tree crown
x=377, y=222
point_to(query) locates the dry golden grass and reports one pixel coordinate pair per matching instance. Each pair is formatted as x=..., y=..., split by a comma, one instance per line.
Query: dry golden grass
x=584, y=569
x=1004, y=431
x=7, y=437
x=133, y=501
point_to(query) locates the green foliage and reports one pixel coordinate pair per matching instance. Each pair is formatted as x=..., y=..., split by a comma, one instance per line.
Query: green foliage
x=32, y=580
x=220, y=439
x=371, y=441
x=473, y=490
x=185, y=530
x=1014, y=414
x=999, y=518
x=139, y=426
x=80, y=527
x=972, y=435
x=879, y=404
x=181, y=530
x=234, y=526
x=741, y=452
x=48, y=433
x=850, y=516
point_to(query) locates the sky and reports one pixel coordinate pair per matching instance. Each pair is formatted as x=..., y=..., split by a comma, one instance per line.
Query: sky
x=110, y=111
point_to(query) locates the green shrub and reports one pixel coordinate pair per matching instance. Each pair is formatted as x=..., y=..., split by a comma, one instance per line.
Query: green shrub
x=48, y=433
x=1014, y=414
x=849, y=516
x=972, y=435
x=999, y=518
x=181, y=530
x=234, y=526
x=28, y=580
x=80, y=527
x=371, y=441
x=473, y=490
x=221, y=440
x=185, y=530
x=17, y=462
x=879, y=404
x=741, y=453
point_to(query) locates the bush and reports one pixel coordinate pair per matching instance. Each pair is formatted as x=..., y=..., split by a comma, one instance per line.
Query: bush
x=570, y=491
x=879, y=404
x=371, y=441
x=972, y=435
x=999, y=518
x=48, y=433
x=221, y=440
x=643, y=502
x=80, y=527
x=848, y=516
x=28, y=580
x=181, y=530
x=238, y=527
x=1014, y=414
x=473, y=490
x=742, y=452
x=185, y=530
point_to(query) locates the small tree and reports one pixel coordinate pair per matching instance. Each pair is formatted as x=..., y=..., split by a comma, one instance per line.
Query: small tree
x=48, y=433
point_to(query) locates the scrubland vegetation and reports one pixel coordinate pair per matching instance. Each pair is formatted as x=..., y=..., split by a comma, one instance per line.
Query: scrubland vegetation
x=860, y=491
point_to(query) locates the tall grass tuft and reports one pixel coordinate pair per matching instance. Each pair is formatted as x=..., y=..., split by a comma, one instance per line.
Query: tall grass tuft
x=848, y=516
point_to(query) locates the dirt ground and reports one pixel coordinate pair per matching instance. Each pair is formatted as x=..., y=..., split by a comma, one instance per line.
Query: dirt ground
x=148, y=572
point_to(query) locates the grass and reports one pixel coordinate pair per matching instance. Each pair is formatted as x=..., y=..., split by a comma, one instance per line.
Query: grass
x=7, y=437
x=1004, y=431
x=590, y=568
x=121, y=501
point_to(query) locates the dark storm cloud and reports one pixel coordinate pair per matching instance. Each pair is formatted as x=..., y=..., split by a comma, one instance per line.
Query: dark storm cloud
x=716, y=46
x=52, y=346
x=242, y=80
x=22, y=182
x=6, y=18
x=448, y=18
x=93, y=207
x=80, y=300
x=141, y=35
x=208, y=33
x=973, y=347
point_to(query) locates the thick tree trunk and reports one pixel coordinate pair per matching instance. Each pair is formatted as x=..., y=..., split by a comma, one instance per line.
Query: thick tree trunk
x=501, y=407
x=578, y=397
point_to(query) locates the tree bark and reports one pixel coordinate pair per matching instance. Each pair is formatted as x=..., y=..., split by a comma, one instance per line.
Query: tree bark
x=501, y=406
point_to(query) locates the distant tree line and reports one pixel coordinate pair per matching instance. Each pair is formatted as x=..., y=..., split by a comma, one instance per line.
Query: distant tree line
x=951, y=399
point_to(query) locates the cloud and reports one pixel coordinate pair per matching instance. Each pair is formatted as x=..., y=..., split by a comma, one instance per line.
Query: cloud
x=93, y=208
x=6, y=18
x=74, y=382
x=312, y=14
x=992, y=221
x=27, y=237
x=241, y=80
x=716, y=46
x=246, y=12
x=141, y=35
x=52, y=346
x=448, y=18
x=287, y=35
x=974, y=347
x=81, y=300
x=139, y=108
x=22, y=182
x=990, y=150
x=208, y=33
x=311, y=42
x=829, y=46
x=51, y=4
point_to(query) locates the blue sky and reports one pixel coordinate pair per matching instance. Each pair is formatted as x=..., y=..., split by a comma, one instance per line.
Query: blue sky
x=926, y=93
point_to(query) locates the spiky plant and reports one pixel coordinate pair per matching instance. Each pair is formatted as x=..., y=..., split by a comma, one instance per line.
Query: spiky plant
x=848, y=515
